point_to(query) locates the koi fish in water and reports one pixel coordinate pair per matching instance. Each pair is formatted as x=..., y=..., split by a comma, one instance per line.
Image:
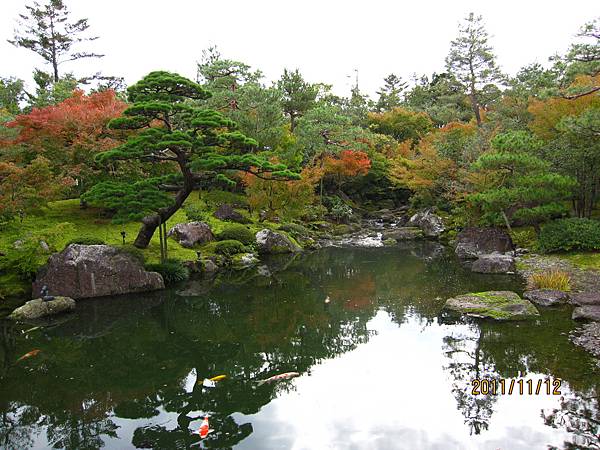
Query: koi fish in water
x=218, y=378
x=211, y=382
x=204, y=428
x=29, y=355
x=281, y=376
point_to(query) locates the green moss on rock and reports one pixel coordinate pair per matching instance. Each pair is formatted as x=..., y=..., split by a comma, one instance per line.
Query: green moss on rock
x=497, y=305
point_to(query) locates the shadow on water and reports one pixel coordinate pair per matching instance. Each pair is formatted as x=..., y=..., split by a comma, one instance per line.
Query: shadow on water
x=124, y=371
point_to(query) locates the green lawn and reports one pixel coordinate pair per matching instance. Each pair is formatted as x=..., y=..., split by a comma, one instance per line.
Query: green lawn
x=91, y=222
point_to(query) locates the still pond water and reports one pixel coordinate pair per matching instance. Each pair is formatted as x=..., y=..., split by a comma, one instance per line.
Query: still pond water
x=380, y=367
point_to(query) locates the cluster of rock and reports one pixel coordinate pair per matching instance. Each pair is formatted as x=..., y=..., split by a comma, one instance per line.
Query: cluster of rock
x=491, y=248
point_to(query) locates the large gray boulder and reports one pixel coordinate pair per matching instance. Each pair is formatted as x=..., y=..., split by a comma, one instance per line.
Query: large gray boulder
x=269, y=241
x=494, y=263
x=38, y=308
x=546, y=297
x=588, y=337
x=588, y=312
x=226, y=212
x=585, y=298
x=497, y=305
x=431, y=224
x=192, y=233
x=474, y=242
x=83, y=271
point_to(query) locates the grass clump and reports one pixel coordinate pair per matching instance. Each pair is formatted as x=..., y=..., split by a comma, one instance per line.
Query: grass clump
x=172, y=271
x=553, y=279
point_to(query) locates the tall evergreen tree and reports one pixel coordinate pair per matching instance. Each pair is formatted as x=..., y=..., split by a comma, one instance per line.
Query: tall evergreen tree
x=472, y=61
x=390, y=95
x=298, y=95
x=48, y=31
x=197, y=144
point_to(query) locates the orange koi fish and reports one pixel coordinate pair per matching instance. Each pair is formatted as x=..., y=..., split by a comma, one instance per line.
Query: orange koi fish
x=29, y=354
x=204, y=429
x=218, y=378
x=281, y=376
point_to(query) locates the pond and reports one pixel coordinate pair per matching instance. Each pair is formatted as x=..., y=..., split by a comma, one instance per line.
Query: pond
x=380, y=366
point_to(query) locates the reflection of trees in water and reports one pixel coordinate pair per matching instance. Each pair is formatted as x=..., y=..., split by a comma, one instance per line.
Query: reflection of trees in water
x=579, y=415
x=468, y=362
x=508, y=350
x=115, y=363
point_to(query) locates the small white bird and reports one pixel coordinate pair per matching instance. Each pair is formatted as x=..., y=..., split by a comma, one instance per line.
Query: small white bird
x=327, y=299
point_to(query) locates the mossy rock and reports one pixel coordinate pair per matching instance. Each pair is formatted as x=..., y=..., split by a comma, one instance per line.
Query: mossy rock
x=243, y=261
x=497, y=305
x=389, y=242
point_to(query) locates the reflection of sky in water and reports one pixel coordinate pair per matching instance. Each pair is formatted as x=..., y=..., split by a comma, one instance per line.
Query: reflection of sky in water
x=347, y=402
x=402, y=381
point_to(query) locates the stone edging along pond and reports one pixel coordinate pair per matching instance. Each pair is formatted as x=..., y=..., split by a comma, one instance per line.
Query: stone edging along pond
x=583, y=281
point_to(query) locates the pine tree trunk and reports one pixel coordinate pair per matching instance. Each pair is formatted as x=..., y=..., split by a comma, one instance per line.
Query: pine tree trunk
x=151, y=223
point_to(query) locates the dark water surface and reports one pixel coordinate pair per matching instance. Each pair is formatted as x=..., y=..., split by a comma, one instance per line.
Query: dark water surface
x=381, y=367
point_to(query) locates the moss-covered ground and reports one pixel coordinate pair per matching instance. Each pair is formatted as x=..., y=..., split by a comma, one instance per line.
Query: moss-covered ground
x=93, y=222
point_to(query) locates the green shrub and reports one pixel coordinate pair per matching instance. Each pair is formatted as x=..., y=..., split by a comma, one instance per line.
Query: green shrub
x=229, y=247
x=86, y=240
x=217, y=198
x=195, y=214
x=524, y=238
x=295, y=229
x=172, y=271
x=340, y=211
x=32, y=251
x=237, y=232
x=570, y=234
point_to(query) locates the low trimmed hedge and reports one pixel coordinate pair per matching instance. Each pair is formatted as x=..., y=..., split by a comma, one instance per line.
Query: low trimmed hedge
x=570, y=234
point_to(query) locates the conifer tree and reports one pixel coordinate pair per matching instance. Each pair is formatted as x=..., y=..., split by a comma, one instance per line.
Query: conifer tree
x=47, y=31
x=473, y=63
x=390, y=93
x=198, y=144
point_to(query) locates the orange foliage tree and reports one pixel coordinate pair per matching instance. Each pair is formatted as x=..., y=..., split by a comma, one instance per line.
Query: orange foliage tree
x=68, y=134
x=427, y=174
x=345, y=165
x=547, y=114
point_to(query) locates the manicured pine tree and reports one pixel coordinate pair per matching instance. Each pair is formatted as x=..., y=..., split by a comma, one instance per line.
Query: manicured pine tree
x=513, y=184
x=198, y=144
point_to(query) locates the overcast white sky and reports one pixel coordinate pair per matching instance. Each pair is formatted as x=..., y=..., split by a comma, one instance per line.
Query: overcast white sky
x=325, y=39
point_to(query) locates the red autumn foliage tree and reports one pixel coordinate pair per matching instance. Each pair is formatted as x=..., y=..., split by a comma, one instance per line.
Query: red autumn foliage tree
x=347, y=164
x=68, y=134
